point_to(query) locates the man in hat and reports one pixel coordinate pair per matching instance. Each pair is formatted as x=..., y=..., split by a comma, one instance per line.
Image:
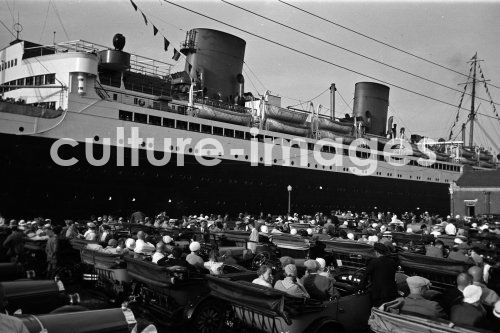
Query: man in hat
x=458, y=253
x=105, y=235
x=193, y=258
x=254, y=237
x=319, y=287
x=51, y=250
x=415, y=301
x=289, y=284
x=14, y=243
x=382, y=272
x=90, y=234
x=488, y=296
x=470, y=312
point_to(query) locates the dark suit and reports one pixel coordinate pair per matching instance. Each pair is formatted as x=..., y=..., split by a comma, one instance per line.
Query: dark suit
x=451, y=297
x=468, y=315
x=419, y=305
x=382, y=272
x=319, y=287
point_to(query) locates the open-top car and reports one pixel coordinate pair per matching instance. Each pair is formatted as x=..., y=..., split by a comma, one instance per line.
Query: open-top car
x=348, y=253
x=442, y=272
x=241, y=305
x=388, y=318
x=165, y=292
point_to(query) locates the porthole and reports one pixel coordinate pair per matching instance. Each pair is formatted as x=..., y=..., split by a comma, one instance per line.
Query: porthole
x=21, y=129
x=96, y=138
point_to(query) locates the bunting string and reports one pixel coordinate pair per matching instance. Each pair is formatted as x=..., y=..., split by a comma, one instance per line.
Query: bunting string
x=166, y=42
x=459, y=106
x=488, y=92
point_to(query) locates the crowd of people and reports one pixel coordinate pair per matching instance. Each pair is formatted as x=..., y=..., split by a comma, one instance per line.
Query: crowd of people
x=470, y=303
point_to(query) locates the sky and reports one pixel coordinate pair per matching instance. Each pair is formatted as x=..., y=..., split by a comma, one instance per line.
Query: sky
x=446, y=32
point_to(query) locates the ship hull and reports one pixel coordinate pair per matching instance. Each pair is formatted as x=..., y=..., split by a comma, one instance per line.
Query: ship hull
x=32, y=185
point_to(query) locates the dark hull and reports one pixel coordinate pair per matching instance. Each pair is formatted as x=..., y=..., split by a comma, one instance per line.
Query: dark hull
x=32, y=184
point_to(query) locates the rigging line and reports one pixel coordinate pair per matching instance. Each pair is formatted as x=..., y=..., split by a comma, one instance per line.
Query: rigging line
x=7, y=28
x=312, y=56
x=375, y=40
x=11, y=13
x=251, y=71
x=346, y=49
x=312, y=99
x=45, y=22
x=59, y=18
x=251, y=82
x=342, y=97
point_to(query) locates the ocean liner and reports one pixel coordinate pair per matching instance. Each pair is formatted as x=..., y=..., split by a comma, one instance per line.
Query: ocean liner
x=86, y=128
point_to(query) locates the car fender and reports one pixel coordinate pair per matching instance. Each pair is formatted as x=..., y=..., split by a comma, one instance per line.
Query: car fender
x=194, y=305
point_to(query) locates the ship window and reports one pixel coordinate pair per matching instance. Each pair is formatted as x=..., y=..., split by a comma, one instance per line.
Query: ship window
x=228, y=132
x=181, y=124
x=167, y=122
x=125, y=115
x=20, y=82
x=29, y=81
x=239, y=134
x=154, y=120
x=260, y=138
x=194, y=127
x=12, y=63
x=218, y=131
x=15, y=62
x=206, y=129
x=50, y=79
x=310, y=146
x=38, y=80
x=248, y=136
x=115, y=97
x=140, y=118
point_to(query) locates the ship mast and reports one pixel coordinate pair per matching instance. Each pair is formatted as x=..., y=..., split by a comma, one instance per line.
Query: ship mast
x=472, y=114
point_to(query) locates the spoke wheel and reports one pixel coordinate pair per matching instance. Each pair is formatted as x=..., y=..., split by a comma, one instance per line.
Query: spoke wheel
x=209, y=318
x=261, y=259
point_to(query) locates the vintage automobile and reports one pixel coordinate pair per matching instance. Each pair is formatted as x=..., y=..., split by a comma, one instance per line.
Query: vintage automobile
x=298, y=247
x=348, y=253
x=441, y=272
x=95, y=321
x=243, y=306
x=389, y=319
x=237, y=241
x=35, y=296
x=412, y=242
x=106, y=273
x=164, y=292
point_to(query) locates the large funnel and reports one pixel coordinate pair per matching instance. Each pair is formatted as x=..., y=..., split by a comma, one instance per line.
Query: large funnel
x=371, y=101
x=215, y=58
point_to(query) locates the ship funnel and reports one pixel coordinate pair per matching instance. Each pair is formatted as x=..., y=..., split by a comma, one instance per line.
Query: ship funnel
x=371, y=101
x=219, y=56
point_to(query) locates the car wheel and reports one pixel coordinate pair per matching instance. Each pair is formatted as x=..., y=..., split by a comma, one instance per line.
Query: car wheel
x=261, y=259
x=209, y=316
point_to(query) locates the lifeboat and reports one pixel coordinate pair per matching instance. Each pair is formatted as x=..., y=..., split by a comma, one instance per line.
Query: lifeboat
x=330, y=135
x=228, y=116
x=334, y=126
x=485, y=164
x=283, y=127
x=286, y=115
x=466, y=153
x=485, y=156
